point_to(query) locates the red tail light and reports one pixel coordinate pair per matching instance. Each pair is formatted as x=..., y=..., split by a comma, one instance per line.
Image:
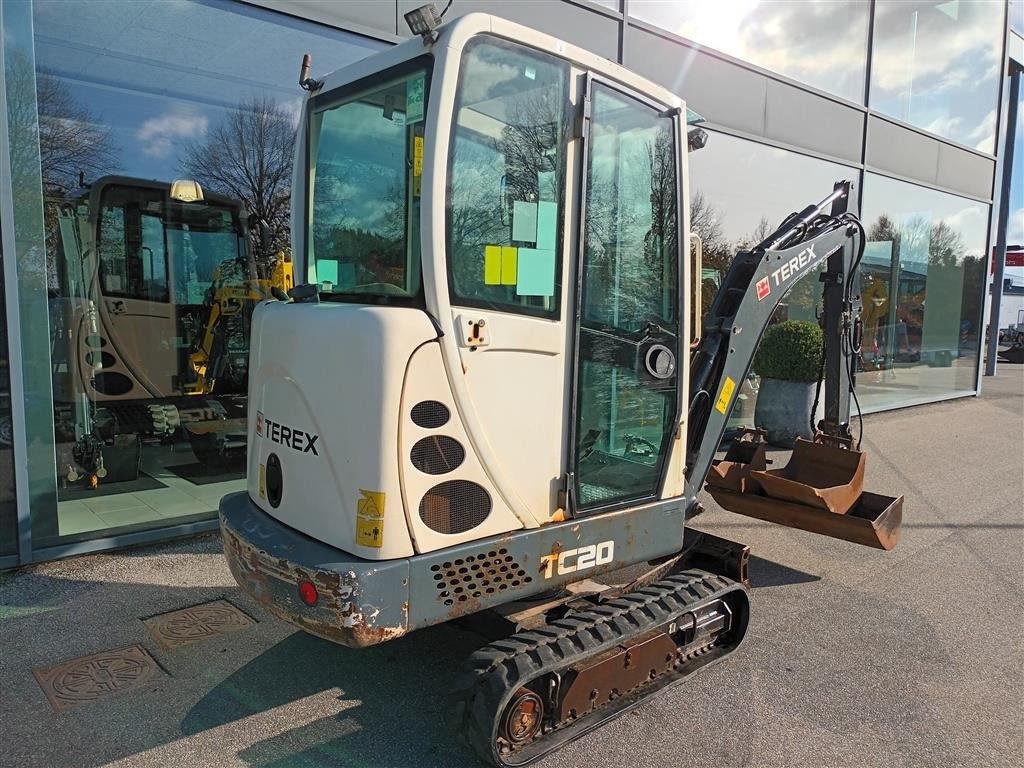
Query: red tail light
x=308, y=593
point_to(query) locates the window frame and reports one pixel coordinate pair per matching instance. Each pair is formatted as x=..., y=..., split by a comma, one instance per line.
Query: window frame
x=455, y=299
x=334, y=97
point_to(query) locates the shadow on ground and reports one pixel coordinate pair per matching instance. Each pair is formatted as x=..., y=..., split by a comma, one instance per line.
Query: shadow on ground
x=396, y=692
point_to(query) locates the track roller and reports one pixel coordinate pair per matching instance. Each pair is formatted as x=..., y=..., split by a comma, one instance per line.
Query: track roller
x=526, y=695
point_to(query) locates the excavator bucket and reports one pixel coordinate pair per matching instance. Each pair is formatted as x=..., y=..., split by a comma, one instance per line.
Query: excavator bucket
x=818, y=475
x=820, y=490
x=746, y=454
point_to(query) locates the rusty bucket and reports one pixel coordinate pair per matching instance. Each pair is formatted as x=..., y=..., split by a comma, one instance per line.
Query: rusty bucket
x=820, y=490
x=817, y=475
x=746, y=454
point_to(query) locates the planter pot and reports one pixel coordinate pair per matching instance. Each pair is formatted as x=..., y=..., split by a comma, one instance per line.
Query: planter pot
x=784, y=410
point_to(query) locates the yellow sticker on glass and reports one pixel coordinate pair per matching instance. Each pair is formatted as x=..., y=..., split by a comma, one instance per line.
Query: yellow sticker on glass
x=417, y=156
x=725, y=396
x=509, y=260
x=263, y=481
x=492, y=265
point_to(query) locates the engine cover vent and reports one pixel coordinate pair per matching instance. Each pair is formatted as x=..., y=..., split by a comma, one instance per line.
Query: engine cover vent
x=478, y=575
x=454, y=506
x=437, y=455
x=430, y=414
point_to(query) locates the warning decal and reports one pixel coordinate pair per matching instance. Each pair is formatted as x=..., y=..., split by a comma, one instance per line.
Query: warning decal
x=370, y=519
x=764, y=287
x=725, y=396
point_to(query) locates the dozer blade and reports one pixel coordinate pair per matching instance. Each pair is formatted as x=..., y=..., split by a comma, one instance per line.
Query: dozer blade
x=817, y=475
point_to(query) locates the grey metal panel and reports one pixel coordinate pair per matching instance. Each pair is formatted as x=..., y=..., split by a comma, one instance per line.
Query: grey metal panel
x=355, y=15
x=794, y=116
x=965, y=171
x=537, y=559
x=575, y=24
x=722, y=92
x=891, y=147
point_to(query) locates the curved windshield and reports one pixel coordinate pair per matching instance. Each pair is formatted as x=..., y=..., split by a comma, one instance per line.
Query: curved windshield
x=366, y=148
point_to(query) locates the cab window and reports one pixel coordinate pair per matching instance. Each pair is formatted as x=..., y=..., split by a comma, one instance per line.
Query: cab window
x=506, y=179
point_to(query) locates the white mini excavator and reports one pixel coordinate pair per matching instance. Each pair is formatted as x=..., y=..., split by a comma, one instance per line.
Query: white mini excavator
x=494, y=385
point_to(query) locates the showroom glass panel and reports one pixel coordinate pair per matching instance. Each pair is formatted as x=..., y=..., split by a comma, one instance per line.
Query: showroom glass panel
x=148, y=421
x=740, y=191
x=8, y=502
x=922, y=284
x=937, y=66
x=819, y=42
x=1017, y=16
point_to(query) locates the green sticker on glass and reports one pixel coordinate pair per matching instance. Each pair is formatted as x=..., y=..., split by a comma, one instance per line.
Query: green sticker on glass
x=415, y=93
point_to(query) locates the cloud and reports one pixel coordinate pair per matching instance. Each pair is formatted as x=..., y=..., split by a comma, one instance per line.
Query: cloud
x=1015, y=227
x=160, y=134
x=982, y=135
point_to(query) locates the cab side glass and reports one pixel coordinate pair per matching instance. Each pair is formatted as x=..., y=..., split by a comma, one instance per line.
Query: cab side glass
x=506, y=179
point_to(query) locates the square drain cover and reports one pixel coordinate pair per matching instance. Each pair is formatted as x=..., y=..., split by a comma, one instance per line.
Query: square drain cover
x=96, y=676
x=198, y=623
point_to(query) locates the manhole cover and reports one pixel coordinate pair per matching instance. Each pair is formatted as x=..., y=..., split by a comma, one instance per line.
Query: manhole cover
x=198, y=623
x=96, y=676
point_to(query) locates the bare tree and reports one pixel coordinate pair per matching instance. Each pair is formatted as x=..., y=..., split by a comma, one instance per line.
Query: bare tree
x=248, y=156
x=71, y=140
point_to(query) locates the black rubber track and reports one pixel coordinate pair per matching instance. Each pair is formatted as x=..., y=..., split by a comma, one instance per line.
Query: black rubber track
x=492, y=674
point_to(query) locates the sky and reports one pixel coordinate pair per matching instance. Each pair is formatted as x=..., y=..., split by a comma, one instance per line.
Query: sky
x=155, y=75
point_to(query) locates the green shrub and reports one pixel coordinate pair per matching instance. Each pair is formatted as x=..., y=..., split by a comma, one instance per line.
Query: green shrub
x=790, y=351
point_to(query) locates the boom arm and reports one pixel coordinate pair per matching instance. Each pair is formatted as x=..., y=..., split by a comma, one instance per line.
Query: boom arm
x=757, y=282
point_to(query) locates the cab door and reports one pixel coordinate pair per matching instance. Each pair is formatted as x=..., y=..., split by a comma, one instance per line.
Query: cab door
x=626, y=393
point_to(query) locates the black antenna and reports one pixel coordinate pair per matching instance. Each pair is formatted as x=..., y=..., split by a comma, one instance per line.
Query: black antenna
x=306, y=82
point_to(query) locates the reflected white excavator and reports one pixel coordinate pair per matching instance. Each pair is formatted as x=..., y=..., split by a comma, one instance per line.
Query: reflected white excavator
x=490, y=390
x=157, y=285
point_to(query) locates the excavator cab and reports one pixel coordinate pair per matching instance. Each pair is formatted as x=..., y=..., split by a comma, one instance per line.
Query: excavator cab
x=489, y=391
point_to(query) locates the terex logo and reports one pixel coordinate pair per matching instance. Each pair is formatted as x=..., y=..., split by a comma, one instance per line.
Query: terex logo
x=573, y=560
x=296, y=439
x=791, y=267
x=764, y=287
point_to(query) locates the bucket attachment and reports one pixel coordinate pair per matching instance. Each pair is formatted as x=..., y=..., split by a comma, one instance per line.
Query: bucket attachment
x=746, y=454
x=818, y=475
x=820, y=490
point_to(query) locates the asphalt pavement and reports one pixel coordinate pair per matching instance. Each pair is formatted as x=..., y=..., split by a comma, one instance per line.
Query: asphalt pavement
x=855, y=657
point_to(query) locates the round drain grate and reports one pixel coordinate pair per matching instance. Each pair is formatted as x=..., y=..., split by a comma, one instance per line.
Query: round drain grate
x=437, y=455
x=430, y=414
x=455, y=506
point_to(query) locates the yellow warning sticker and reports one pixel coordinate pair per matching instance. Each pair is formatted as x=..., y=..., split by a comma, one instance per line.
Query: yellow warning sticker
x=417, y=156
x=263, y=481
x=370, y=519
x=492, y=265
x=725, y=396
x=369, y=532
x=371, y=504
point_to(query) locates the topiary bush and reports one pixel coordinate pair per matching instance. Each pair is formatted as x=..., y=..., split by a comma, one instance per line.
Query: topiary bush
x=790, y=351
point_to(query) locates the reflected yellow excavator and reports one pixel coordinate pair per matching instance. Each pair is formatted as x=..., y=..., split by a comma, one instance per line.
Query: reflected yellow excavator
x=227, y=303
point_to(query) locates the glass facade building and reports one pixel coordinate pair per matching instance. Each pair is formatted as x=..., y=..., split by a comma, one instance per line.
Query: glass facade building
x=122, y=396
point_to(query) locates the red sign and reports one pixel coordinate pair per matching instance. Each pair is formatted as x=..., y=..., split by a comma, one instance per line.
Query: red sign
x=1014, y=256
x=764, y=287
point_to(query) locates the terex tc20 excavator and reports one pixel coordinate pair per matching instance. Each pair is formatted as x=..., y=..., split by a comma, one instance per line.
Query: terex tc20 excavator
x=489, y=392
